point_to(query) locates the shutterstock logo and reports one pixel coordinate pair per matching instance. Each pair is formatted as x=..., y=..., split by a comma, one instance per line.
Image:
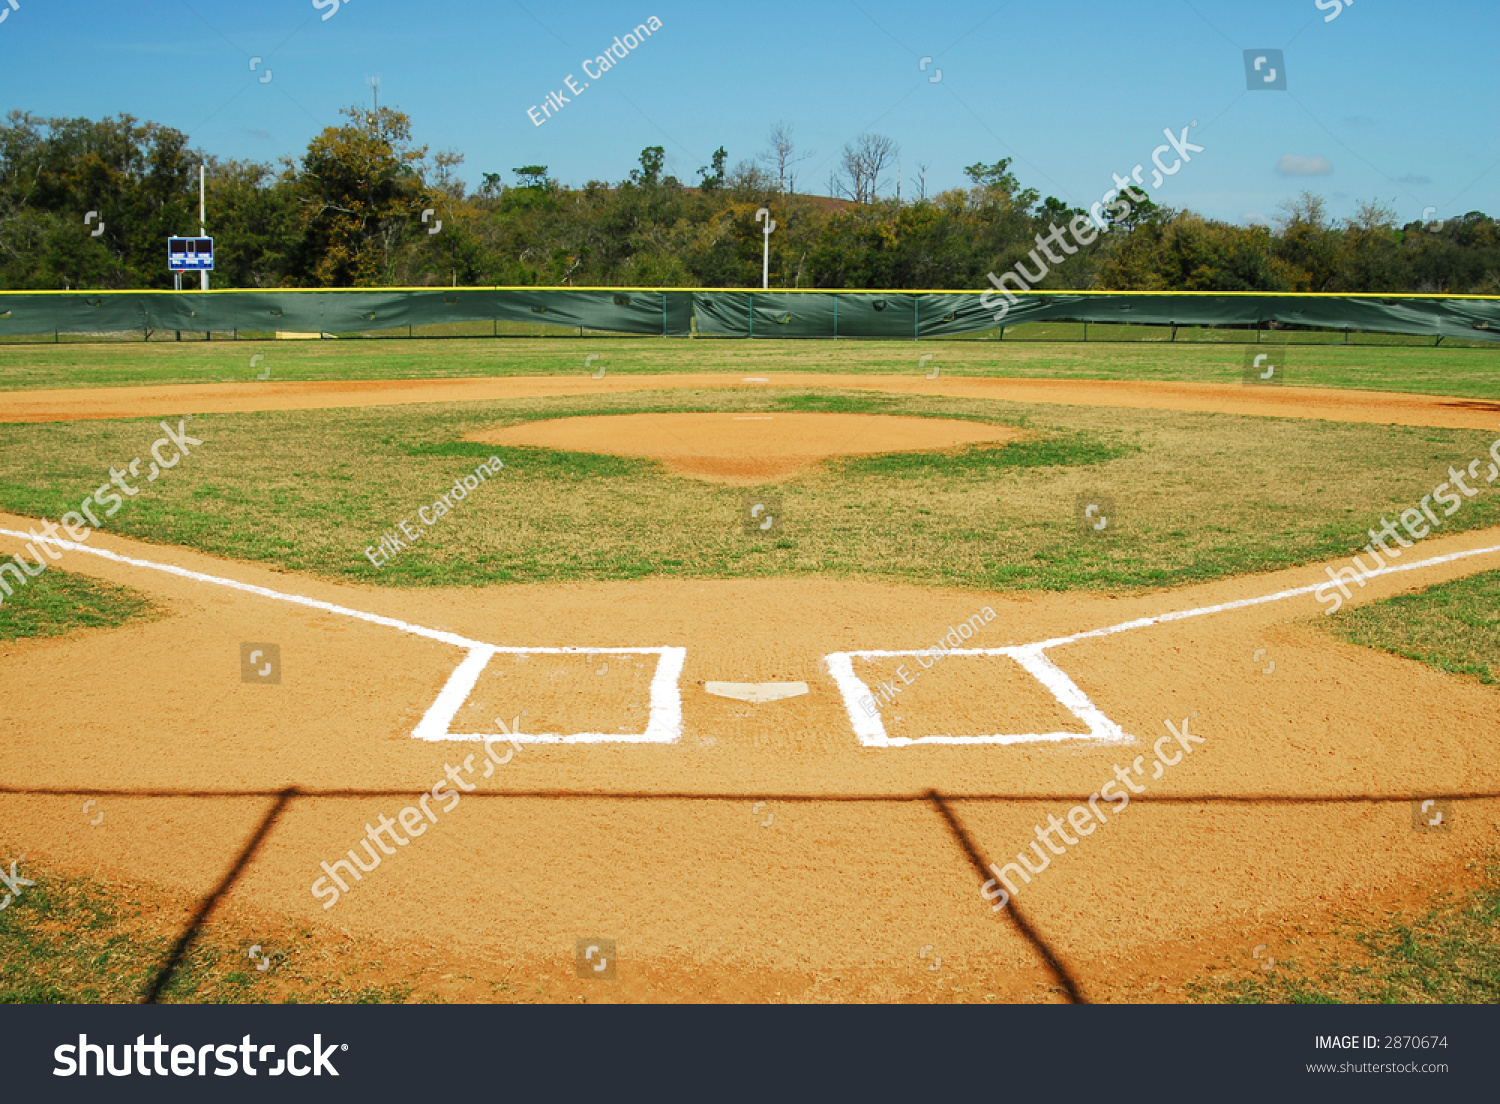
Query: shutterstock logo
x=189, y=1061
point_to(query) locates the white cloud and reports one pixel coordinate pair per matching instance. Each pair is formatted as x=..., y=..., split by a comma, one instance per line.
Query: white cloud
x=1292, y=164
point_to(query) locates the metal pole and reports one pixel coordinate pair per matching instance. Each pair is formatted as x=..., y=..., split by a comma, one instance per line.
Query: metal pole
x=764, y=215
x=202, y=196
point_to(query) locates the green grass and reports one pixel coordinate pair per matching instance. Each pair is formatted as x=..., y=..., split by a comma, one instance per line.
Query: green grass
x=1471, y=373
x=1448, y=955
x=1198, y=496
x=56, y=602
x=1454, y=627
x=79, y=940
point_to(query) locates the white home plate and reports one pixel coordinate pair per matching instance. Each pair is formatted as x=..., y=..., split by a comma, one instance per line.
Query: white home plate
x=756, y=691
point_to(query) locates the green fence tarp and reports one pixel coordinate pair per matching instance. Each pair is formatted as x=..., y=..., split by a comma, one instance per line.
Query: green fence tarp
x=668, y=314
x=728, y=313
x=936, y=314
x=1471, y=318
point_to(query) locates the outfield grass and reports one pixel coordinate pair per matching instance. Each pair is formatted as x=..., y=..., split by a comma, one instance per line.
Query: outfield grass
x=1197, y=496
x=1454, y=627
x=80, y=940
x=1471, y=373
x=1448, y=955
x=56, y=602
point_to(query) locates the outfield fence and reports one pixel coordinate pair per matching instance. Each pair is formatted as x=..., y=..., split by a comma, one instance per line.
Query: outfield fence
x=726, y=313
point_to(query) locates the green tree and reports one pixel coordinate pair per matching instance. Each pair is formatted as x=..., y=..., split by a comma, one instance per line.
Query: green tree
x=361, y=193
x=139, y=178
x=713, y=177
x=1307, y=252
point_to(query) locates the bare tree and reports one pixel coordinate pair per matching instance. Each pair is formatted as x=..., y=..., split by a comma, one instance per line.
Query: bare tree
x=748, y=179
x=444, y=179
x=922, y=182
x=862, y=163
x=782, y=155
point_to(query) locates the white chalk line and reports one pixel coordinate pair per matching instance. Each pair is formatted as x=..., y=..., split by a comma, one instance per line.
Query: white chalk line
x=664, y=724
x=664, y=721
x=870, y=729
x=1245, y=602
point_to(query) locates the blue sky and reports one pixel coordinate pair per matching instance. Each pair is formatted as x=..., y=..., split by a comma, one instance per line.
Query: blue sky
x=1390, y=100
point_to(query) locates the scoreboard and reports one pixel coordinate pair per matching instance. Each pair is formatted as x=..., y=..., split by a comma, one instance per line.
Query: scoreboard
x=190, y=254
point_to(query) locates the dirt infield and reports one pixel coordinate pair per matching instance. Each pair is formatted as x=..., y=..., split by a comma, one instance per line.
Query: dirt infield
x=1379, y=407
x=741, y=448
x=771, y=851
x=765, y=854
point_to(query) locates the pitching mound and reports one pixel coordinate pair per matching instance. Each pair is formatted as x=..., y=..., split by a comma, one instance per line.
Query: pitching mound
x=747, y=448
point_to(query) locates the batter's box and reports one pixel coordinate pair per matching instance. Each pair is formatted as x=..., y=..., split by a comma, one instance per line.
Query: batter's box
x=569, y=696
x=985, y=688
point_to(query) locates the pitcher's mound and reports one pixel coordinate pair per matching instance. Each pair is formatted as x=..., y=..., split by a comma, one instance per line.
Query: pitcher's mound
x=747, y=448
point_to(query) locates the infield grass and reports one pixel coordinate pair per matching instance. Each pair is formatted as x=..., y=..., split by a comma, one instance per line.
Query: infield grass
x=78, y=940
x=1450, y=954
x=56, y=602
x=1453, y=626
x=1196, y=496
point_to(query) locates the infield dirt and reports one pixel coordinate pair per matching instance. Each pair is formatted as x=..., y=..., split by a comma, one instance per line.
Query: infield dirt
x=747, y=448
x=1379, y=407
x=1298, y=802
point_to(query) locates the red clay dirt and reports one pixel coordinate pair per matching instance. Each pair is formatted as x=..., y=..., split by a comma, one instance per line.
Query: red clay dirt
x=765, y=855
x=747, y=448
x=1380, y=407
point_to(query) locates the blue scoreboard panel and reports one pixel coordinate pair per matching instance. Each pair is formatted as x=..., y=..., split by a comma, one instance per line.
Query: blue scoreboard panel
x=190, y=254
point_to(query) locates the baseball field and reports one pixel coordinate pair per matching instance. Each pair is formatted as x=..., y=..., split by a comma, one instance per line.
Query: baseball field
x=617, y=669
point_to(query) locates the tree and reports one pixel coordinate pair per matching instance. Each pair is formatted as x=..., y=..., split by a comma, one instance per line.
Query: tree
x=782, y=156
x=649, y=174
x=140, y=179
x=1372, y=258
x=862, y=163
x=360, y=189
x=444, y=179
x=491, y=186
x=713, y=179
x=254, y=220
x=532, y=176
x=997, y=185
x=348, y=214
x=1307, y=249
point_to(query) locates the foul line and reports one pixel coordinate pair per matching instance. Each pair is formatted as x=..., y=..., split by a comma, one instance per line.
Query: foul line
x=870, y=728
x=250, y=588
x=664, y=723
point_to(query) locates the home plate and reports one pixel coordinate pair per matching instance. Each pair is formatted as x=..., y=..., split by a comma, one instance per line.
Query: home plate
x=756, y=691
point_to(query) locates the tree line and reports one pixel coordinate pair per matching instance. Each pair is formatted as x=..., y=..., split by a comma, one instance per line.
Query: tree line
x=364, y=206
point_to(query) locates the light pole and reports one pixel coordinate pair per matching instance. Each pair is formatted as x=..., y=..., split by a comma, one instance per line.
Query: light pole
x=202, y=232
x=764, y=215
